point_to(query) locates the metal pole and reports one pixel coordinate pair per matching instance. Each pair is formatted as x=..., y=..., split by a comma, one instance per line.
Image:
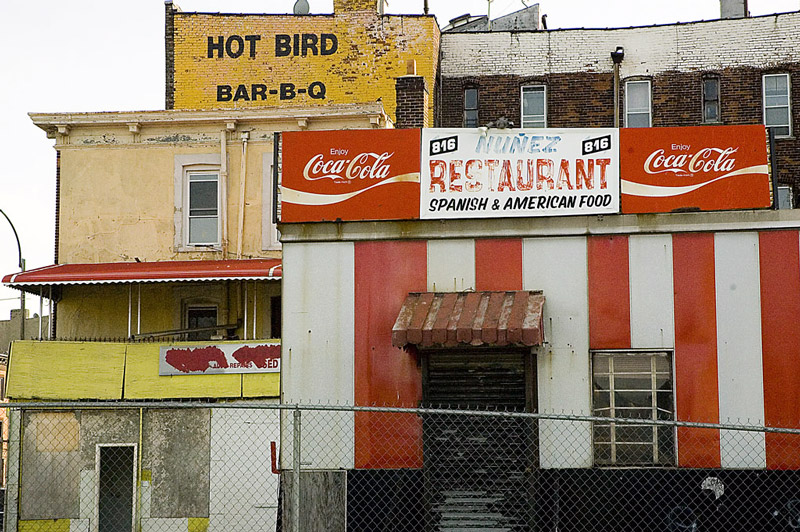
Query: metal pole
x=255, y=308
x=244, y=334
x=41, y=309
x=50, y=326
x=139, y=309
x=296, y=472
x=22, y=268
x=130, y=296
x=22, y=305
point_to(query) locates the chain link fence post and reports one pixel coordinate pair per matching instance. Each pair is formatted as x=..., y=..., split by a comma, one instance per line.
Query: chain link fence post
x=296, y=445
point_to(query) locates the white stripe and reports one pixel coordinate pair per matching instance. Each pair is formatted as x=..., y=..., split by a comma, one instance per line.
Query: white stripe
x=318, y=349
x=740, y=373
x=451, y=265
x=558, y=267
x=651, y=291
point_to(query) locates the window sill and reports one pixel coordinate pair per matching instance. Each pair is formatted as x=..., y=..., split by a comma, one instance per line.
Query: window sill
x=211, y=248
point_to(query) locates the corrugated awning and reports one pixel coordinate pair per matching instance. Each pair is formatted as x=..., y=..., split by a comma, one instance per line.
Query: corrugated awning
x=147, y=272
x=430, y=319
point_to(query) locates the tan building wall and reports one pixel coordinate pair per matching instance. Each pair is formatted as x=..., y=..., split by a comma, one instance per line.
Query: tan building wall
x=131, y=166
x=246, y=61
x=122, y=198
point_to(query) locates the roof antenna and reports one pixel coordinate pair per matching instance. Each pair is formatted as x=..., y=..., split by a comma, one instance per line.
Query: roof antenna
x=301, y=7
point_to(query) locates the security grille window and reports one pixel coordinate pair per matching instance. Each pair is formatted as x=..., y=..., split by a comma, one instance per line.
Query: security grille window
x=634, y=385
x=637, y=104
x=777, y=110
x=534, y=106
x=471, y=107
x=203, y=211
x=711, y=111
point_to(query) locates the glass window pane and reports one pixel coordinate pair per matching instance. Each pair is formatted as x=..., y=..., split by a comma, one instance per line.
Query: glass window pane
x=470, y=118
x=600, y=363
x=638, y=120
x=711, y=89
x=635, y=454
x=203, y=195
x=601, y=400
x=778, y=116
x=779, y=100
x=776, y=84
x=533, y=100
x=634, y=433
x=471, y=99
x=633, y=399
x=203, y=230
x=638, y=96
x=711, y=113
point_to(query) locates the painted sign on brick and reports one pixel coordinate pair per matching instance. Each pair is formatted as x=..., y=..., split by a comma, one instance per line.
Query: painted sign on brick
x=350, y=175
x=212, y=359
x=467, y=173
x=694, y=168
x=247, y=61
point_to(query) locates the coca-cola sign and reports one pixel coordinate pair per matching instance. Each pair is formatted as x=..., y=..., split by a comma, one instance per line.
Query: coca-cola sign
x=694, y=168
x=362, y=166
x=350, y=175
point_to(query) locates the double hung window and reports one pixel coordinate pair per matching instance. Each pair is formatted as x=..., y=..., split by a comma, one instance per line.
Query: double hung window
x=711, y=109
x=471, y=107
x=633, y=385
x=534, y=106
x=777, y=107
x=203, y=208
x=638, y=104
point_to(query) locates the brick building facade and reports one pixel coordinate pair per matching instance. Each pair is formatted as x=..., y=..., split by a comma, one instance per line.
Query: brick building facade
x=574, y=71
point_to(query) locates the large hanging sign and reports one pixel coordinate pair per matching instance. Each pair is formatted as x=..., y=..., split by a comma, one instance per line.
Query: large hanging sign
x=350, y=175
x=214, y=359
x=707, y=168
x=518, y=172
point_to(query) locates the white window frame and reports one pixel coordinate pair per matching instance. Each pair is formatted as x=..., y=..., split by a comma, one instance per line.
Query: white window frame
x=183, y=165
x=649, y=101
x=532, y=88
x=96, y=523
x=477, y=107
x=706, y=99
x=616, y=461
x=187, y=211
x=788, y=101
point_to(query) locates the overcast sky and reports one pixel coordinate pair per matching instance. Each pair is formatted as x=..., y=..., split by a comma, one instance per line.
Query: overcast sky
x=92, y=55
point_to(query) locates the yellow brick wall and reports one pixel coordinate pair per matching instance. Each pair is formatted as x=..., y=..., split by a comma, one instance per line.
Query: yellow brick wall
x=371, y=52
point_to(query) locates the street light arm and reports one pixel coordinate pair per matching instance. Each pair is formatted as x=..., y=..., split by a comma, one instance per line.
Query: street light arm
x=19, y=247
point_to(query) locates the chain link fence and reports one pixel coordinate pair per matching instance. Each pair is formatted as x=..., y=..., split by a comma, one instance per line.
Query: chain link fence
x=236, y=466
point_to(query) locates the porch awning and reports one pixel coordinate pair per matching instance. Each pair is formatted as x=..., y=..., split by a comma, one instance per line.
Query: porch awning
x=430, y=319
x=147, y=272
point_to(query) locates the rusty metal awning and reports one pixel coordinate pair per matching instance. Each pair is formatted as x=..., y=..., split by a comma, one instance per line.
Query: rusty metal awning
x=430, y=319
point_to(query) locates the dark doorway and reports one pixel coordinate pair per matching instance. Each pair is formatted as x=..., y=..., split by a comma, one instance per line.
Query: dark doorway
x=115, y=497
x=479, y=470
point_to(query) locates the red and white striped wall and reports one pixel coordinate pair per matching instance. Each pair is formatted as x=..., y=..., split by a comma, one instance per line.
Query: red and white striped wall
x=727, y=304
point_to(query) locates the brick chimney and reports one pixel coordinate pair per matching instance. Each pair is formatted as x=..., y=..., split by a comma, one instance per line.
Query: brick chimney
x=733, y=9
x=412, y=99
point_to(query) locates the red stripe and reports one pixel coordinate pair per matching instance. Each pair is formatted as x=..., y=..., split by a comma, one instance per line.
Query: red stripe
x=779, y=262
x=609, y=293
x=498, y=264
x=696, y=384
x=385, y=273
